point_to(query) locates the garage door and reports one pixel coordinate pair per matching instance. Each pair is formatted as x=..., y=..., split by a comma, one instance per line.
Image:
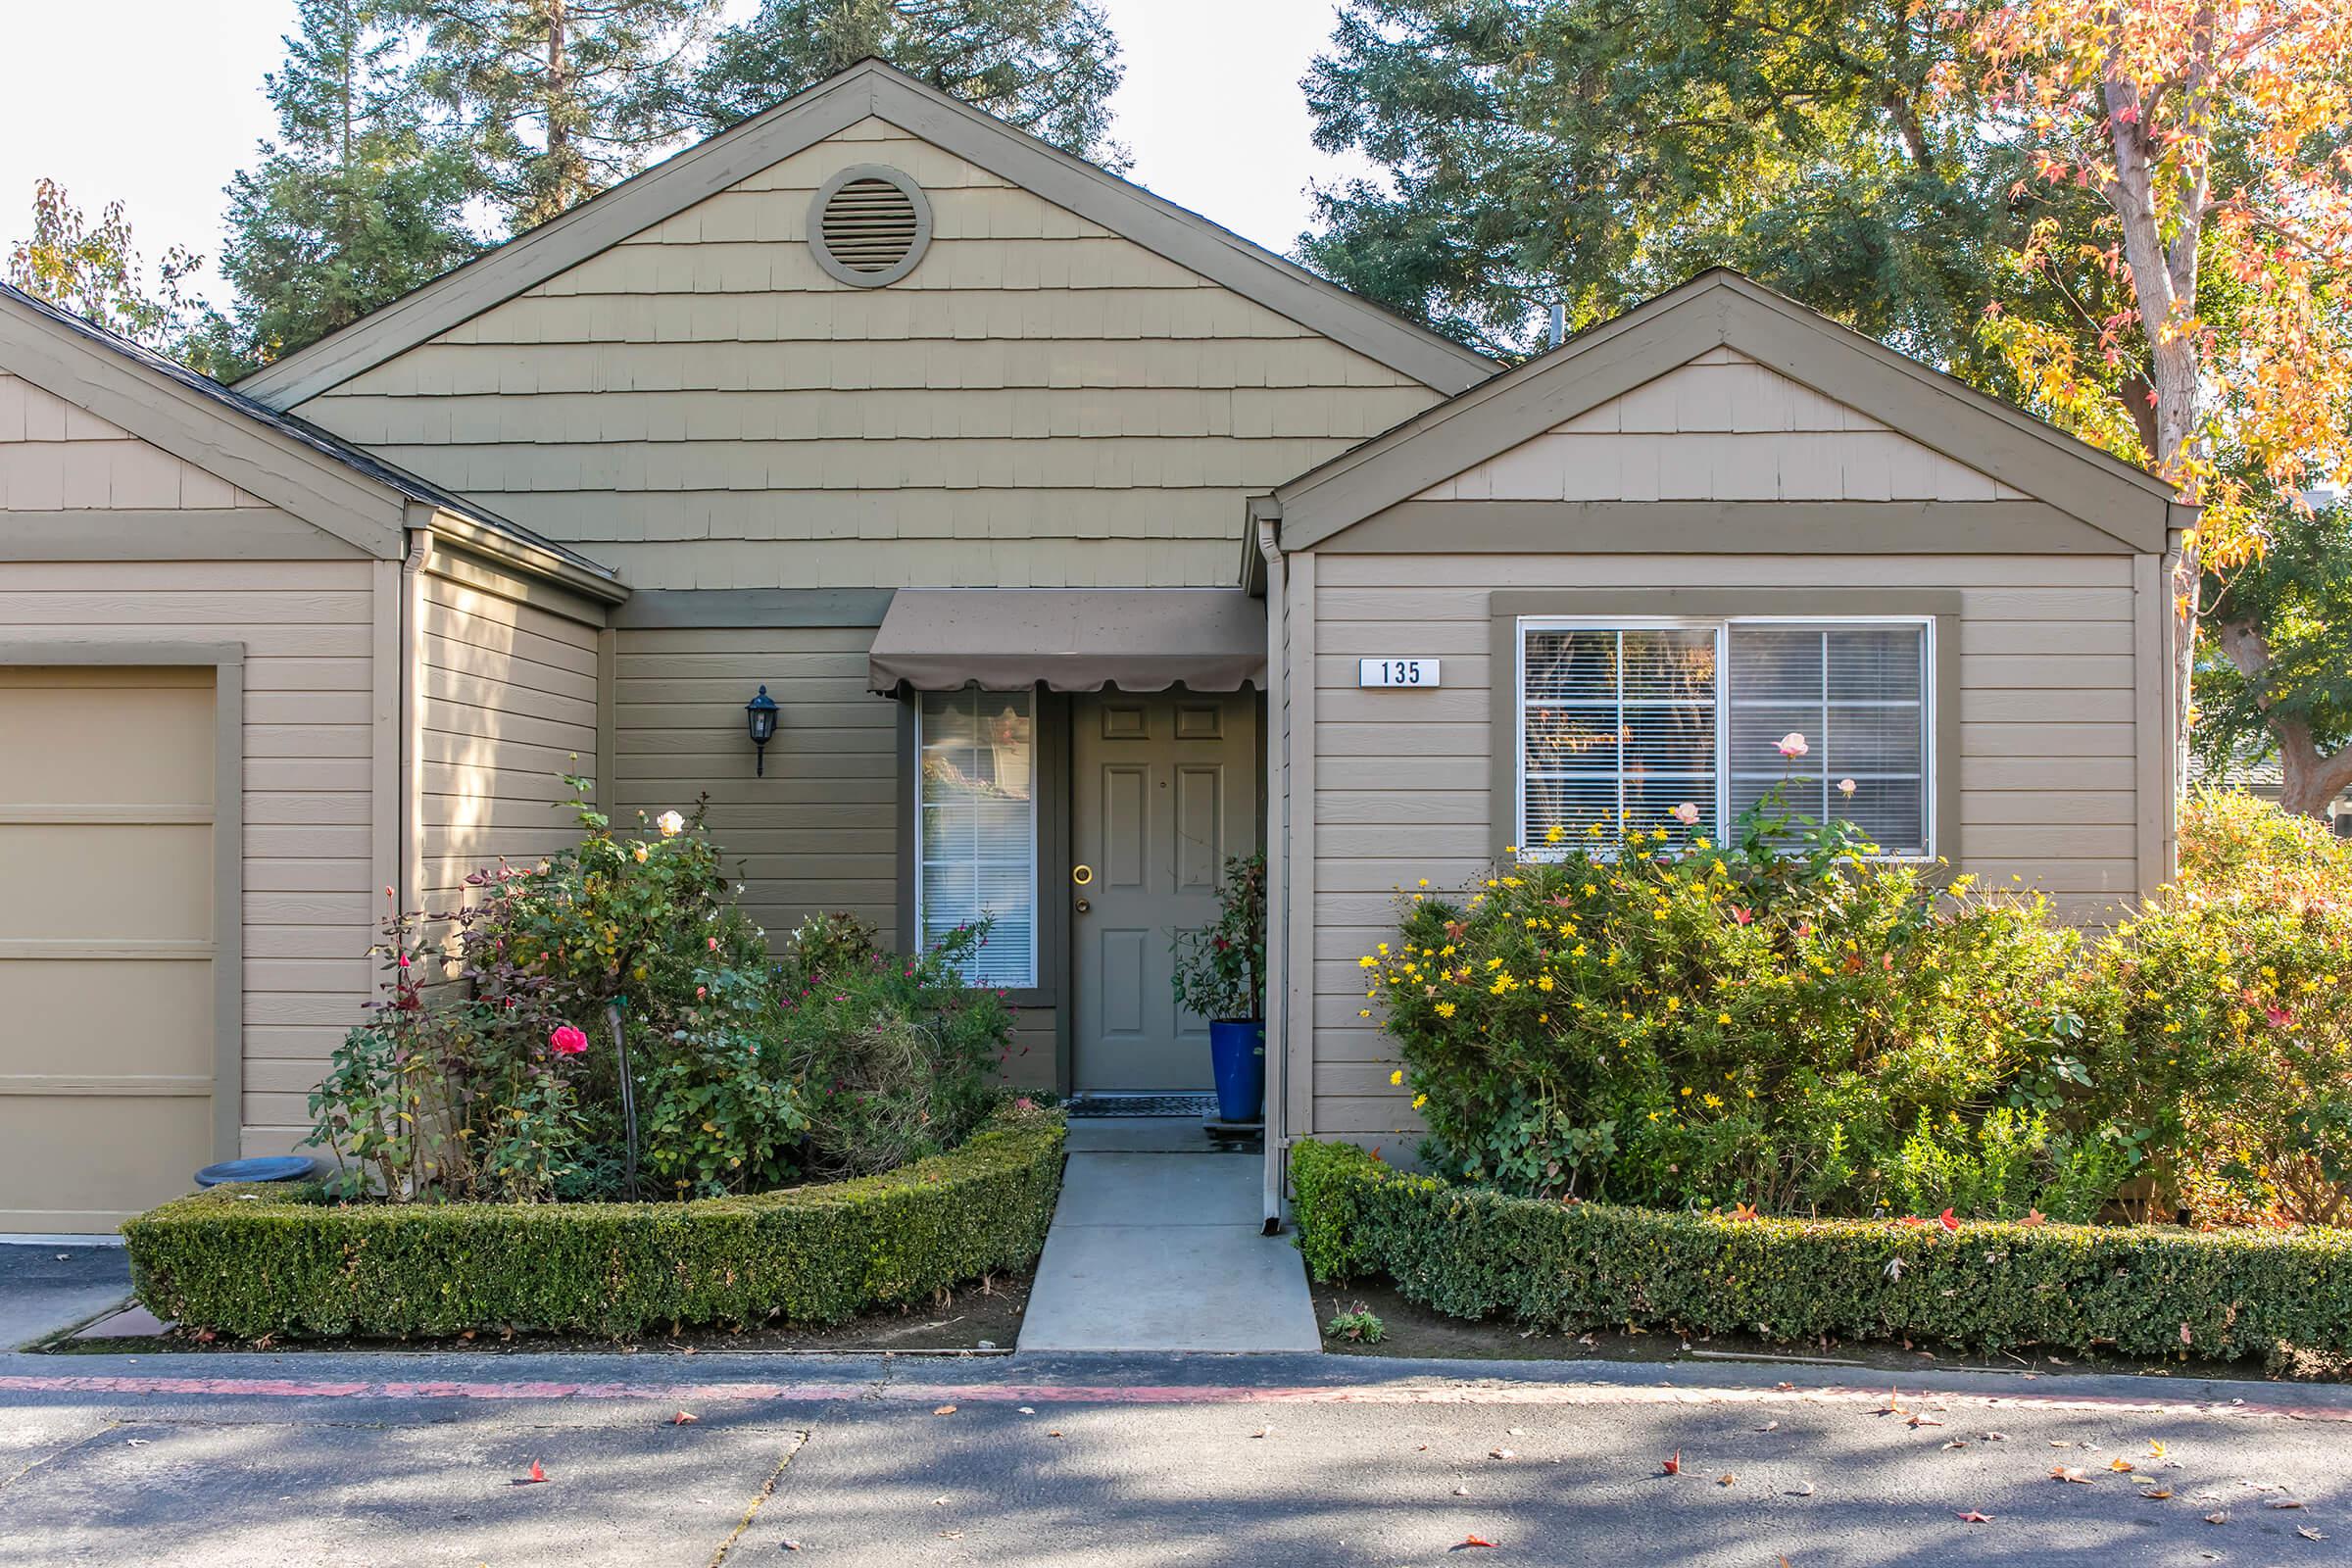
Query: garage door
x=107, y=1006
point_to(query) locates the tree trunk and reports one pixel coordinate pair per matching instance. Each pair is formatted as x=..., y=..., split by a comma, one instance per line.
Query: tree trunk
x=2308, y=782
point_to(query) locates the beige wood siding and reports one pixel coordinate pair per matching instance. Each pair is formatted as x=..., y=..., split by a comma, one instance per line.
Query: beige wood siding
x=509, y=707
x=2050, y=740
x=310, y=899
x=1041, y=402
x=819, y=832
x=1722, y=427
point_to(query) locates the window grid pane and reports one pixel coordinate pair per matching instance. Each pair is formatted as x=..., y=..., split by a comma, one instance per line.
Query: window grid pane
x=976, y=829
x=1858, y=694
x=1618, y=729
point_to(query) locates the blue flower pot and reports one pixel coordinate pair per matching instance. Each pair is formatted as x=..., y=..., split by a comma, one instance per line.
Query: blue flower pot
x=1237, y=1049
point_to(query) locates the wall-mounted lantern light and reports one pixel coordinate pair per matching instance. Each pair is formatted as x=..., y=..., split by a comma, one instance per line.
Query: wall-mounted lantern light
x=761, y=715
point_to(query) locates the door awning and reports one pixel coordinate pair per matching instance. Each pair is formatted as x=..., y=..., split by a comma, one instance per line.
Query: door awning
x=1071, y=639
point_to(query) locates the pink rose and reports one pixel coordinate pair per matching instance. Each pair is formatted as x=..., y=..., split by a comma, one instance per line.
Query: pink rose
x=1792, y=746
x=1846, y=787
x=567, y=1040
x=1686, y=813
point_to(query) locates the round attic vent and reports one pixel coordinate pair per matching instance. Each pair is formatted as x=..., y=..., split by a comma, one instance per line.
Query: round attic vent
x=868, y=225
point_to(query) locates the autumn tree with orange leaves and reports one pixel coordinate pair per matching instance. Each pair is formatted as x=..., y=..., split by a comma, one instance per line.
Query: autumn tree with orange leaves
x=2218, y=139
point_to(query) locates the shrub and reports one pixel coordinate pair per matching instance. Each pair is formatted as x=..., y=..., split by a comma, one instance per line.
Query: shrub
x=267, y=1260
x=2232, y=840
x=1220, y=969
x=2142, y=1290
x=1783, y=1023
x=890, y=1056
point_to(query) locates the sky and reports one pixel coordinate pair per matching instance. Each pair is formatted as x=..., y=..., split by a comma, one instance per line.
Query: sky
x=156, y=103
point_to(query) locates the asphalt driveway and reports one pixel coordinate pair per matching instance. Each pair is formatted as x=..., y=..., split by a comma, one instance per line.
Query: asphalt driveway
x=393, y=1458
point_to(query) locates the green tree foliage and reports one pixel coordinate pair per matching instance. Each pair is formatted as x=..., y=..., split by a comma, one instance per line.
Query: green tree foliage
x=555, y=100
x=356, y=204
x=2275, y=675
x=1047, y=65
x=1594, y=152
x=96, y=272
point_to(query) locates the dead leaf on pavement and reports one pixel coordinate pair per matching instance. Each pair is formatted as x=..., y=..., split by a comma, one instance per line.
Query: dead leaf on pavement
x=1770, y=1426
x=2285, y=1503
x=1501, y=1453
x=683, y=1418
x=2219, y=1516
x=1725, y=1479
x=944, y=1409
x=1803, y=1489
x=789, y=1545
x=2309, y=1534
x=536, y=1475
x=2155, y=1447
x=2067, y=1472
x=1972, y=1517
x=1672, y=1465
x=2119, y=1467
x=1469, y=1541
x=2159, y=1495
x=1923, y=1421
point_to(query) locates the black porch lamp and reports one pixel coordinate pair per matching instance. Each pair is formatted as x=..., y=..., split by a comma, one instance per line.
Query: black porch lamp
x=760, y=715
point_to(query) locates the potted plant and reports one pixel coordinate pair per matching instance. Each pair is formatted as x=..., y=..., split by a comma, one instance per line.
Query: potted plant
x=1221, y=975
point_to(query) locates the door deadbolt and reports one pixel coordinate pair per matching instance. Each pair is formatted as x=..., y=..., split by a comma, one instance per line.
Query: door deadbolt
x=1082, y=874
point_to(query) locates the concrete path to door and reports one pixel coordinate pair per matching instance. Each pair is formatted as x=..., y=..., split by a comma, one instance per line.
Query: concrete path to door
x=1156, y=1246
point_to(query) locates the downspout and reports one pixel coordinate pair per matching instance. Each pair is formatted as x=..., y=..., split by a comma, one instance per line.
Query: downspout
x=1265, y=516
x=2179, y=519
x=412, y=720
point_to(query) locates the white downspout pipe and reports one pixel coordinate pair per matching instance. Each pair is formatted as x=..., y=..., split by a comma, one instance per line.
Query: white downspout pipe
x=1265, y=514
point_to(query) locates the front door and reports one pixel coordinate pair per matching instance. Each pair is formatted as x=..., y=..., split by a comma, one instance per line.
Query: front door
x=1165, y=788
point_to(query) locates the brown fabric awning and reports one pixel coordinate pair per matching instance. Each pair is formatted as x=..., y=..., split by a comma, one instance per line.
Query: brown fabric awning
x=1071, y=639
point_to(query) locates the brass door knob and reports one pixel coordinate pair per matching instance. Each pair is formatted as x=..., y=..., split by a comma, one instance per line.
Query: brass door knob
x=1083, y=906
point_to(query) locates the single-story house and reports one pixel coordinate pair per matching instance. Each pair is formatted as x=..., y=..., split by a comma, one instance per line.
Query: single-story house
x=1081, y=544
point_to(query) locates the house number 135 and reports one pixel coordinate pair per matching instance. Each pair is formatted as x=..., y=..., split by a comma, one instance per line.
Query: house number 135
x=1397, y=672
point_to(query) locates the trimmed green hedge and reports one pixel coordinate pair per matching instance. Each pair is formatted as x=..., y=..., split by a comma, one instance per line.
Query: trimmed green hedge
x=262, y=1259
x=1474, y=1253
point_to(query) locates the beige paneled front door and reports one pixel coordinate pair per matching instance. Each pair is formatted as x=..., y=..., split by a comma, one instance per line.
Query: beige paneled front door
x=1166, y=788
x=107, y=1004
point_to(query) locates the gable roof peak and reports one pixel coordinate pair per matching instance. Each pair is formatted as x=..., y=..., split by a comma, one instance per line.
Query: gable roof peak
x=871, y=88
x=1722, y=307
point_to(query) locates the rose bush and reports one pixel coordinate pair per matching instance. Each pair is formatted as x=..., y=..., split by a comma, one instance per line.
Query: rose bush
x=609, y=1023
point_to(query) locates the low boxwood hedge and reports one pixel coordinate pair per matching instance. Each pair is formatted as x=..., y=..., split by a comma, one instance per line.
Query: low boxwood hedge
x=256, y=1260
x=2150, y=1291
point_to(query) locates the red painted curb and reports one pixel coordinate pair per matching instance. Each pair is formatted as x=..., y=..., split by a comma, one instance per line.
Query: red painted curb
x=1402, y=1393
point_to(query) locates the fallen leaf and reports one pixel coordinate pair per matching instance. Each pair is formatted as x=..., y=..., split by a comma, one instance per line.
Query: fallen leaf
x=1028, y=1410
x=1770, y=1426
x=1972, y=1517
x=138, y=1443
x=1469, y=1541
x=2309, y=1534
x=1786, y=1388
x=1263, y=1432
x=789, y=1545
x=2155, y=1447
x=1672, y=1466
x=1894, y=1404
x=1803, y=1489
x=944, y=1409
x=1501, y=1453
x=1517, y=1431
x=1923, y=1421
x=536, y=1475
x=1994, y=1436
x=2119, y=1467
x=683, y=1417
x=2067, y=1472
x=2159, y=1495
x=1054, y=1434
x=2285, y=1502
x=1957, y=1443
x=1725, y=1479
x=2219, y=1516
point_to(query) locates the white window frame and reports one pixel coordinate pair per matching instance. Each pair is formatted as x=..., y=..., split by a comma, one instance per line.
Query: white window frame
x=1722, y=626
x=921, y=934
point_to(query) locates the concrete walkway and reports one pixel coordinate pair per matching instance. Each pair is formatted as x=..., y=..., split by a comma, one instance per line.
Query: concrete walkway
x=1156, y=1246
x=56, y=1283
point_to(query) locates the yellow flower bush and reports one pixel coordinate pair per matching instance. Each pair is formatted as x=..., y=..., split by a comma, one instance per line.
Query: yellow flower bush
x=1805, y=1029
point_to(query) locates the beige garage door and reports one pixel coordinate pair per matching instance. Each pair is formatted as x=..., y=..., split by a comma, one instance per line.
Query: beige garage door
x=107, y=1009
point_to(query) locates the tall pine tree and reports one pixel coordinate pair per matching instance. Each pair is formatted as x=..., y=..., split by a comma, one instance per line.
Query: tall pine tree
x=1047, y=65
x=553, y=100
x=357, y=203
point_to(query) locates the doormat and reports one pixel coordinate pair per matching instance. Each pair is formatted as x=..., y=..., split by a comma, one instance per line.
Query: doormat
x=1201, y=1105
